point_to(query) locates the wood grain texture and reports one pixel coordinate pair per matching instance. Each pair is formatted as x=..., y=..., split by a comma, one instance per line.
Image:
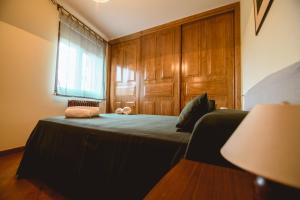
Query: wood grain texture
x=237, y=59
x=124, y=78
x=15, y=189
x=208, y=60
x=199, y=181
x=159, y=90
x=148, y=107
x=196, y=54
x=159, y=69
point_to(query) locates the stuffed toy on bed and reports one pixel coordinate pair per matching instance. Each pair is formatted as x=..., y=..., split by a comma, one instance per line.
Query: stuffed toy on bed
x=125, y=111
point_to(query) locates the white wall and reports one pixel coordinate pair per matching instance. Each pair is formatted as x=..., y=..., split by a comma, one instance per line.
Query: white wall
x=276, y=46
x=28, y=41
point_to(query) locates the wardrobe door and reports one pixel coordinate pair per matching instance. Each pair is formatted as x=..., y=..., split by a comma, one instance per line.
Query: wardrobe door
x=160, y=60
x=124, y=92
x=208, y=59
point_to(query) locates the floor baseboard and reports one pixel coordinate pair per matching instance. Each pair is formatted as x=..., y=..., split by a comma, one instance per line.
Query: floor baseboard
x=11, y=151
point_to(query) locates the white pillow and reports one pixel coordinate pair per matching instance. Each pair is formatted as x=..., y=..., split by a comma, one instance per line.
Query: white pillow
x=82, y=112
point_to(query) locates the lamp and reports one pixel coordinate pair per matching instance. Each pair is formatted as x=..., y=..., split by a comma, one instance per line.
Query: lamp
x=267, y=143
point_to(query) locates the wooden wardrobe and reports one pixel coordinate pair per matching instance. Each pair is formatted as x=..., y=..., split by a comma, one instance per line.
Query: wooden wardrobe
x=157, y=71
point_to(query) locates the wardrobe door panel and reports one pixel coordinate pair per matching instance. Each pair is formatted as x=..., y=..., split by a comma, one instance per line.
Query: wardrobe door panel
x=116, y=76
x=148, y=107
x=124, y=91
x=159, y=90
x=148, y=57
x=165, y=107
x=165, y=60
x=190, y=47
x=160, y=60
x=130, y=62
x=208, y=59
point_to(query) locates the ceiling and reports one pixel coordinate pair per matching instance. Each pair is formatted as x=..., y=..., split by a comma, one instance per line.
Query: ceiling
x=117, y=18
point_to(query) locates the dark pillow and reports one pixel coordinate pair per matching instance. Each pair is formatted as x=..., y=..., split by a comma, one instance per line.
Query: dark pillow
x=190, y=114
x=211, y=105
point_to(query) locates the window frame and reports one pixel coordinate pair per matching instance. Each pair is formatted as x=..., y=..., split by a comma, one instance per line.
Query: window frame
x=56, y=73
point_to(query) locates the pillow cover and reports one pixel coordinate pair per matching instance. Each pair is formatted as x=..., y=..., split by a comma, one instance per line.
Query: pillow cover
x=194, y=110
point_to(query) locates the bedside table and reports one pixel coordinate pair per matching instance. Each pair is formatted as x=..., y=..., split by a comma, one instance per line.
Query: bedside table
x=195, y=180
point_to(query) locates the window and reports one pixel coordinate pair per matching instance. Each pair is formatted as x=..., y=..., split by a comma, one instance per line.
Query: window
x=81, y=61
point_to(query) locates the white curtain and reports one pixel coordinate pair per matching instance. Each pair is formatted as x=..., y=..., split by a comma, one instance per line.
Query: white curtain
x=81, y=61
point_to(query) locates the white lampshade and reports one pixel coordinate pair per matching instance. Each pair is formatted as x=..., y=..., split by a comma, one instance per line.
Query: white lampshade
x=267, y=143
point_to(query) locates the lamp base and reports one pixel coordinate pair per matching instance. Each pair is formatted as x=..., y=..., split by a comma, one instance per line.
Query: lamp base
x=266, y=190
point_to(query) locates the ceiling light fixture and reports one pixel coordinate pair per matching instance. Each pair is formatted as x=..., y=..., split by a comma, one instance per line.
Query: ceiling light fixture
x=101, y=1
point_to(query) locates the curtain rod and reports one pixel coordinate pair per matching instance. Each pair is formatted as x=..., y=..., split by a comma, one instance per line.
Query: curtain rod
x=59, y=6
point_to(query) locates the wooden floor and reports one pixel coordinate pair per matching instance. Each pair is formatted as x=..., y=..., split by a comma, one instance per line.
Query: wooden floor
x=23, y=189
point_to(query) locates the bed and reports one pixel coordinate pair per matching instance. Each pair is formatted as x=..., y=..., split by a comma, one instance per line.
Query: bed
x=107, y=157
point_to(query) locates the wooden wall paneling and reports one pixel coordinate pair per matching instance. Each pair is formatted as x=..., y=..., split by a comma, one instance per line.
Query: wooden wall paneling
x=190, y=65
x=124, y=76
x=190, y=49
x=237, y=58
x=148, y=107
x=116, y=63
x=148, y=57
x=160, y=64
x=208, y=59
x=147, y=71
x=203, y=53
x=217, y=57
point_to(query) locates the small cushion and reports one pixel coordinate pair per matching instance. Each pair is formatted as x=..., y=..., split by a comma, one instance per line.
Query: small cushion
x=190, y=114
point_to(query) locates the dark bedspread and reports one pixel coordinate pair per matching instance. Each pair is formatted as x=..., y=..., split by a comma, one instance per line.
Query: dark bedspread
x=108, y=157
